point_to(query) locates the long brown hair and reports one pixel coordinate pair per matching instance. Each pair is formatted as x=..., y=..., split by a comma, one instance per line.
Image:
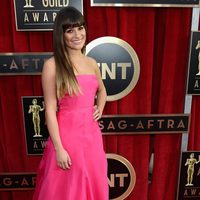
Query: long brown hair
x=65, y=78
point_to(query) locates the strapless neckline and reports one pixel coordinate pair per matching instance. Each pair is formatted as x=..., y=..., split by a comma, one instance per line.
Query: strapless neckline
x=85, y=74
x=78, y=76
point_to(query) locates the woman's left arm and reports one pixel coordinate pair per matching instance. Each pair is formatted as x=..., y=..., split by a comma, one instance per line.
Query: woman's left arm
x=101, y=95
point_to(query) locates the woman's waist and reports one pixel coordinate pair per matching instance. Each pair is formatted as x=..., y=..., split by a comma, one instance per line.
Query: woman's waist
x=67, y=108
x=76, y=116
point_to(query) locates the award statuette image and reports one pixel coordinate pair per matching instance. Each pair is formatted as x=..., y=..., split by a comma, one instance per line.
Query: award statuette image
x=198, y=47
x=35, y=110
x=28, y=4
x=193, y=82
x=36, y=133
x=190, y=162
x=189, y=184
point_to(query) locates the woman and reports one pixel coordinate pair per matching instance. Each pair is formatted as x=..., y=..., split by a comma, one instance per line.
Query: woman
x=73, y=166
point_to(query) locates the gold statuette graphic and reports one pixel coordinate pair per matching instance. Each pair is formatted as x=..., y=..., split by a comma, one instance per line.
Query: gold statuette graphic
x=197, y=47
x=190, y=162
x=35, y=110
x=28, y=4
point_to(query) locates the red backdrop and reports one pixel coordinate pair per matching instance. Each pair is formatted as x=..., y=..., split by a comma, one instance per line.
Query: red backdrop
x=160, y=36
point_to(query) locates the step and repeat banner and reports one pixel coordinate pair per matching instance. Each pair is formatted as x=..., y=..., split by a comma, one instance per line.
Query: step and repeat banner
x=120, y=70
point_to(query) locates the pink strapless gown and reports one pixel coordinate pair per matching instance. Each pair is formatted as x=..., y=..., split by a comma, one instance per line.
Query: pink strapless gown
x=81, y=137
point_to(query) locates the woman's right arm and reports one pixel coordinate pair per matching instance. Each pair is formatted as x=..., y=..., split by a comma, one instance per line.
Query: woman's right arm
x=50, y=99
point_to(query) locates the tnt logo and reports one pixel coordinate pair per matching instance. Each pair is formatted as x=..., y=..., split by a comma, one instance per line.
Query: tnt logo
x=121, y=177
x=118, y=63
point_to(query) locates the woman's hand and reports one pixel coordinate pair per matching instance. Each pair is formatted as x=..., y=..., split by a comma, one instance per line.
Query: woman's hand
x=63, y=159
x=97, y=113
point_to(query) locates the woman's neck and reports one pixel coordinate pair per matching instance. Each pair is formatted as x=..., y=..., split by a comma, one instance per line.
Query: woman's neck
x=75, y=54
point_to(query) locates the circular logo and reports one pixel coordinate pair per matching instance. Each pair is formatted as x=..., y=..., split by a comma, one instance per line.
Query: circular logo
x=121, y=177
x=118, y=63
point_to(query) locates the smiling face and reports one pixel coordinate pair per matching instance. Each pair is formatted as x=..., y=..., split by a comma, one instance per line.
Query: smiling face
x=74, y=37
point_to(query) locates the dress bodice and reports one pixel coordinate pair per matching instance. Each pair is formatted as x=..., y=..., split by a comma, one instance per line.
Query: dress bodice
x=88, y=85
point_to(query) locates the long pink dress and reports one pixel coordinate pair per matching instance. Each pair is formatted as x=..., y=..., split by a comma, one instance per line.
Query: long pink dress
x=81, y=137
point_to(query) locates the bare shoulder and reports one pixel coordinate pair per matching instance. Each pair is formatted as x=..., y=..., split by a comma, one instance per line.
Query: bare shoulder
x=92, y=63
x=49, y=66
x=90, y=59
x=95, y=68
